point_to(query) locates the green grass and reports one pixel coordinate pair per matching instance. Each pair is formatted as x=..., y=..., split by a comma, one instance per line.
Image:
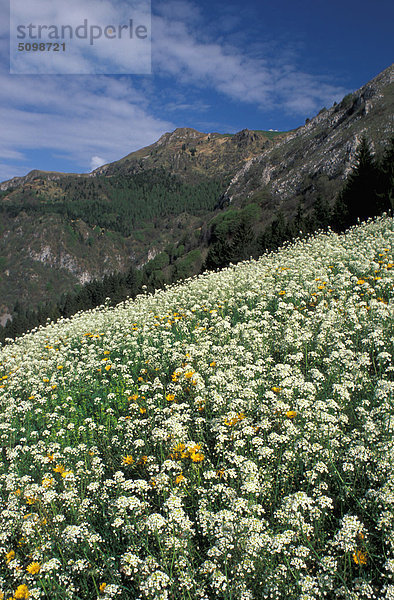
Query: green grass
x=271, y=134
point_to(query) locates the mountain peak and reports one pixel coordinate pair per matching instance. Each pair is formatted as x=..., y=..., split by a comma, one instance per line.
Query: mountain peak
x=186, y=132
x=180, y=133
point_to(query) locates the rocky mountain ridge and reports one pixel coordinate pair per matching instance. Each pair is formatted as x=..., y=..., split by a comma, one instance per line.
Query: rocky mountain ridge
x=324, y=147
x=184, y=149
x=192, y=155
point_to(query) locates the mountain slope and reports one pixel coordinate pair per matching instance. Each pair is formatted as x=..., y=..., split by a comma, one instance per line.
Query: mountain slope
x=316, y=157
x=59, y=230
x=191, y=154
x=185, y=152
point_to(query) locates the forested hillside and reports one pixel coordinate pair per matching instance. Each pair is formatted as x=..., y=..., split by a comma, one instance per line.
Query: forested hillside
x=118, y=203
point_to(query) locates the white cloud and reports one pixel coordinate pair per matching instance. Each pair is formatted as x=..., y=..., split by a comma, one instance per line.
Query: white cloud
x=96, y=162
x=4, y=21
x=181, y=50
x=78, y=117
x=197, y=106
x=87, y=49
x=81, y=117
x=7, y=172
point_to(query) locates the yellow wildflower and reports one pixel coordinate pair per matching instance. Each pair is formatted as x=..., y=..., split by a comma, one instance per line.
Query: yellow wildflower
x=127, y=460
x=291, y=414
x=33, y=568
x=102, y=587
x=47, y=481
x=179, y=478
x=234, y=420
x=31, y=500
x=197, y=457
x=178, y=452
x=65, y=473
x=359, y=557
x=22, y=592
x=59, y=469
x=9, y=556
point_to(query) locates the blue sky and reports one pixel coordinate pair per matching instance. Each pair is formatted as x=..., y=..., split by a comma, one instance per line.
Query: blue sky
x=216, y=66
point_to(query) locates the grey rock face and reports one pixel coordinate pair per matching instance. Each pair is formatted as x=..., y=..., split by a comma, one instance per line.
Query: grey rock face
x=324, y=146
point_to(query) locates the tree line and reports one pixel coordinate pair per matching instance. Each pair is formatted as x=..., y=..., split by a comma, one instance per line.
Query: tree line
x=368, y=191
x=120, y=203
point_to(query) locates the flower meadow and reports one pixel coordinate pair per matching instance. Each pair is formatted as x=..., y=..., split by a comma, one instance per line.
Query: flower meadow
x=230, y=437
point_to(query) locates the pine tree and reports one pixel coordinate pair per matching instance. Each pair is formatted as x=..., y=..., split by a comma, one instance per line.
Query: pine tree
x=386, y=180
x=241, y=247
x=299, y=221
x=359, y=195
x=278, y=231
x=219, y=255
x=321, y=213
x=340, y=214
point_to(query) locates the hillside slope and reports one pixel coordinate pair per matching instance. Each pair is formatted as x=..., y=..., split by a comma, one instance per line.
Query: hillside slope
x=230, y=437
x=59, y=230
